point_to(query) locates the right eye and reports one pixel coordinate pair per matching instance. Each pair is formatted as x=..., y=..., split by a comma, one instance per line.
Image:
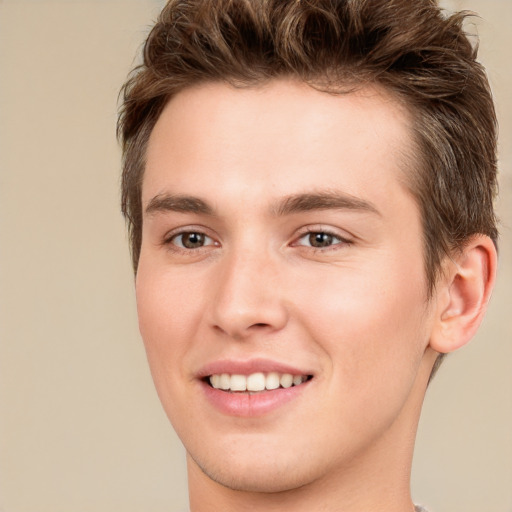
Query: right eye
x=191, y=240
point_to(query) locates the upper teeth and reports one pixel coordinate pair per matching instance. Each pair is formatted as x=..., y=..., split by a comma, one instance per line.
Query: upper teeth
x=255, y=381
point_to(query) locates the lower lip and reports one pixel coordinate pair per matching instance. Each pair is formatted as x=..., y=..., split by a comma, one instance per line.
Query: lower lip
x=251, y=405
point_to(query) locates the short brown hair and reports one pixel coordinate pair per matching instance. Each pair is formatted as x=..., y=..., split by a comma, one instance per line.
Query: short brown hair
x=410, y=48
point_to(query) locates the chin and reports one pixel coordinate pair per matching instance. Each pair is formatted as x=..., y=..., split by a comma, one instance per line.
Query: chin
x=259, y=476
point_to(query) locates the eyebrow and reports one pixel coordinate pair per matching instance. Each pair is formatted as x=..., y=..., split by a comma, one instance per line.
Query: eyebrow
x=178, y=203
x=296, y=203
x=329, y=200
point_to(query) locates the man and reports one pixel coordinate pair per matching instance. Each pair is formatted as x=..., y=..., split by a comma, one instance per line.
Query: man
x=309, y=190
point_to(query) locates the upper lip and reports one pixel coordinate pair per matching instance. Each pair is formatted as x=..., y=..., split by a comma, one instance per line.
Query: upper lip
x=248, y=367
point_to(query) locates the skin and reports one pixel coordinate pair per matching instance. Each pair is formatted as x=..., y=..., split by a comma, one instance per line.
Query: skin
x=353, y=313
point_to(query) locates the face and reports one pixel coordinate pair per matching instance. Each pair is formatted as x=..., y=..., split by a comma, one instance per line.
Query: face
x=281, y=289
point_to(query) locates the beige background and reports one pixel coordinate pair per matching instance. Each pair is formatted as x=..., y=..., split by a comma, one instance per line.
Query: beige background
x=81, y=429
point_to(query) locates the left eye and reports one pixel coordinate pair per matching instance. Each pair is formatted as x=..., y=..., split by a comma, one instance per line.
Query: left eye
x=319, y=239
x=191, y=240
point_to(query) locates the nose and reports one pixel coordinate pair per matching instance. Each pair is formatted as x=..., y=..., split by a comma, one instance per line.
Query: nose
x=248, y=298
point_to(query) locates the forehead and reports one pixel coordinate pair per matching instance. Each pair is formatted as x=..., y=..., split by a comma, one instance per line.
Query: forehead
x=277, y=137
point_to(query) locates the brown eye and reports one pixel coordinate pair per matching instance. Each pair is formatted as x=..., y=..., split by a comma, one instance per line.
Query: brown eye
x=191, y=240
x=321, y=239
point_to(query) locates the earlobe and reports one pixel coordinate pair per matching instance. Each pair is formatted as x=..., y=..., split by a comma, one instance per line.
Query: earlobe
x=463, y=294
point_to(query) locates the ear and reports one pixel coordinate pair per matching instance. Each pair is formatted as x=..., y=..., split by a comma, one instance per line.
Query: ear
x=463, y=293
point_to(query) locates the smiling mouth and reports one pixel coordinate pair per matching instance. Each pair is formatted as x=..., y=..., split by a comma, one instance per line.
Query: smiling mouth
x=255, y=382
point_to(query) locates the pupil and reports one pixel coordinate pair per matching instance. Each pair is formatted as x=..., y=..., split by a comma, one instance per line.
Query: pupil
x=320, y=239
x=193, y=240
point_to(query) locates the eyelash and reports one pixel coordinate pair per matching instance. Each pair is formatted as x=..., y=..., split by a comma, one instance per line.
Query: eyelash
x=341, y=241
x=170, y=240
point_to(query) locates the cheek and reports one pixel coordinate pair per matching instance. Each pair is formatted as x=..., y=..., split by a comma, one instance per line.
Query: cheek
x=166, y=310
x=166, y=303
x=372, y=335
x=372, y=324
